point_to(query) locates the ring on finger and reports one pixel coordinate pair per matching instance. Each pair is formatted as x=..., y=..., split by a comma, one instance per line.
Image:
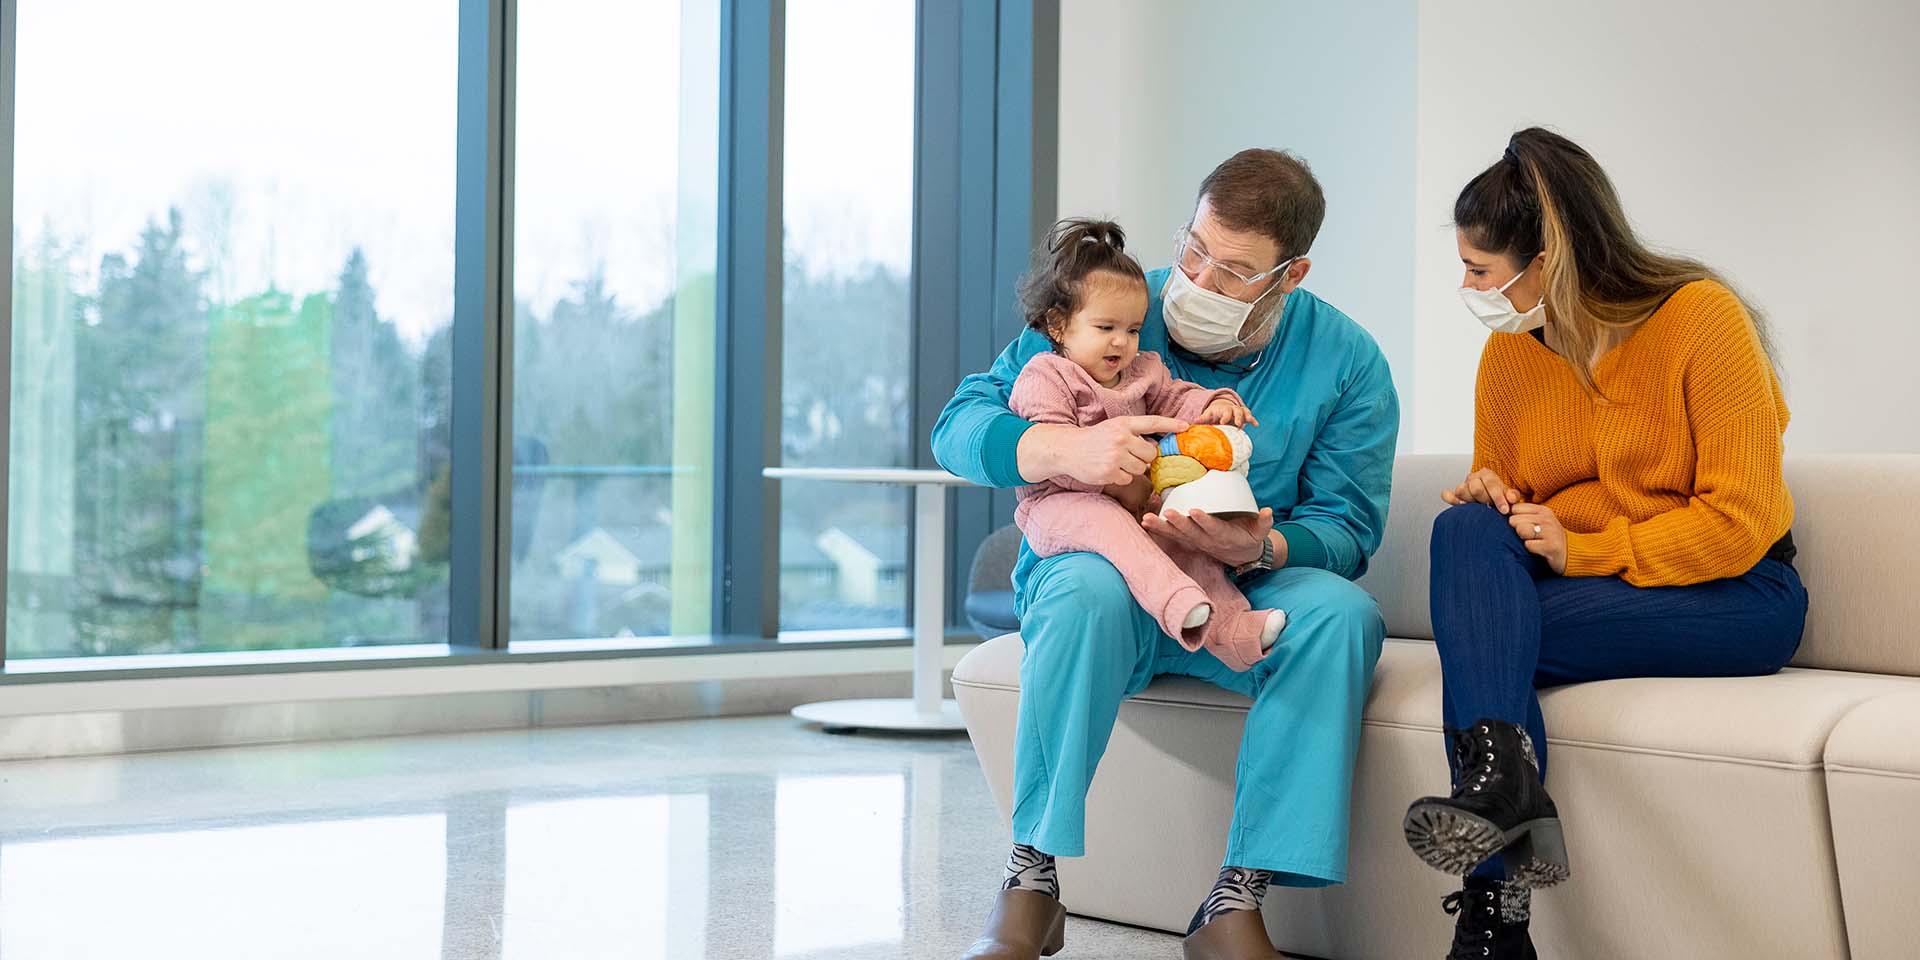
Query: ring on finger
x=1536, y=529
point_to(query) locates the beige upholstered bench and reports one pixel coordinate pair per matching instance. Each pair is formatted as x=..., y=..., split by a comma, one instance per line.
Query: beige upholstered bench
x=1720, y=818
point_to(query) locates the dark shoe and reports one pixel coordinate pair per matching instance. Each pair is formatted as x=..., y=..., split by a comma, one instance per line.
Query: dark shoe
x=1498, y=806
x=1024, y=925
x=1491, y=924
x=1236, y=935
x=1459, y=752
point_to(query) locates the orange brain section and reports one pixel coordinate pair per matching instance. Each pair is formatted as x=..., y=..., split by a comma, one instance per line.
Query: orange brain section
x=1207, y=444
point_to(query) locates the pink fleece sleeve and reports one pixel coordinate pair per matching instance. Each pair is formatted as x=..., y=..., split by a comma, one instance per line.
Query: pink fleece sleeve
x=1044, y=392
x=1180, y=399
x=1047, y=391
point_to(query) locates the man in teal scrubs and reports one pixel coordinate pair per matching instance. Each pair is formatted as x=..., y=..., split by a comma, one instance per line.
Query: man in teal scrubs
x=1230, y=313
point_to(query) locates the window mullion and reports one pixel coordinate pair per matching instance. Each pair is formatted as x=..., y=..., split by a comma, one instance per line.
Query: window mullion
x=481, y=336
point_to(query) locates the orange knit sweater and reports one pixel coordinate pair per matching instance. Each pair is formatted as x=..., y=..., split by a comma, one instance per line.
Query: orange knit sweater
x=1674, y=477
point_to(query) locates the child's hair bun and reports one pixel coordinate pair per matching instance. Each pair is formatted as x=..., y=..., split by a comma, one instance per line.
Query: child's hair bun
x=1077, y=230
x=1075, y=248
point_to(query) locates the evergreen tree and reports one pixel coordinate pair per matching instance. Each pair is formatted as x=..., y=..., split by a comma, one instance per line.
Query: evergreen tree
x=593, y=381
x=845, y=372
x=140, y=406
x=433, y=479
x=844, y=386
x=593, y=387
x=374, y=433
x=844, y=402
x=40, y=561
x=269, y=396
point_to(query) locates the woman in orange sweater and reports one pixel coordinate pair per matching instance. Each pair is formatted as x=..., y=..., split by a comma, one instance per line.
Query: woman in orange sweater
x=1625, y=515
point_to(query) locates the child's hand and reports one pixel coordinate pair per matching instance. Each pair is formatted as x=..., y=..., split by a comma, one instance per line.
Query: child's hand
x=1226, y=411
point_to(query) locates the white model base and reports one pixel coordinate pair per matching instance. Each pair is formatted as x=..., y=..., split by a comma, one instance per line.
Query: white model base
x=899, y=714
x=1218, y=492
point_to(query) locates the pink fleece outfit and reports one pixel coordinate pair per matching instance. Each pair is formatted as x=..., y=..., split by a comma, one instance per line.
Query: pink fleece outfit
x=1063, y=515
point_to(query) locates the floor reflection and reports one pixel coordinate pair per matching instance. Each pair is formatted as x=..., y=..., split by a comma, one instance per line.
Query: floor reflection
x=750, y=839
x=837, y=862
x=293, y=885
x=584, y=875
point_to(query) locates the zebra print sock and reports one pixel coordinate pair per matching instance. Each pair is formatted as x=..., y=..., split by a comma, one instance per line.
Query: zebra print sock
x=1237, y=889
x=1516, y=903
x=1029, y=869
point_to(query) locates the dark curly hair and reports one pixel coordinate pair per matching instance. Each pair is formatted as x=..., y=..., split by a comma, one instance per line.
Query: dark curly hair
x=1075, y=248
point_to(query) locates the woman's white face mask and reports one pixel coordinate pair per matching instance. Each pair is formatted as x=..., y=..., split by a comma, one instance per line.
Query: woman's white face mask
x=1205, y=322
x=1498, y=313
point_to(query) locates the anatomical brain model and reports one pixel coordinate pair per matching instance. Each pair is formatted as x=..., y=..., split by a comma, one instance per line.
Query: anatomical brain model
x=1204, y=468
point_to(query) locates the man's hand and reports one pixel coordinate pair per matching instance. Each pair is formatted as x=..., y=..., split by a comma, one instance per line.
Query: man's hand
x=1106, y=454
x=1231, y=540
x=1484, y=486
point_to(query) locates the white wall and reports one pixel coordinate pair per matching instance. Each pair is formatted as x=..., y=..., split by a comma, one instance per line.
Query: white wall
x=1115, y=99
x=1780, y=144
x=1154, y=94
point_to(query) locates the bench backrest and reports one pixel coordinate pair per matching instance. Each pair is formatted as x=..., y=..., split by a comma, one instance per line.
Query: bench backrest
x=1856, y=524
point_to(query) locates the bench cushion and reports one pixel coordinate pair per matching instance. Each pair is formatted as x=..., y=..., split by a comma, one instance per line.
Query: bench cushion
x=1781, y=719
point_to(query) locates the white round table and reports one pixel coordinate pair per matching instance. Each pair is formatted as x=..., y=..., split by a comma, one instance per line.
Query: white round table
x=926, y=711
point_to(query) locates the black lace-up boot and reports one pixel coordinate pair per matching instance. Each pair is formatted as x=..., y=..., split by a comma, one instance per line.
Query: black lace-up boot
x=1459, y=751
x=1498, y=806
x=1490, y=921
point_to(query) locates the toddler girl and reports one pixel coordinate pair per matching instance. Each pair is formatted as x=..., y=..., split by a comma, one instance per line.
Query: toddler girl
x=1089, y=297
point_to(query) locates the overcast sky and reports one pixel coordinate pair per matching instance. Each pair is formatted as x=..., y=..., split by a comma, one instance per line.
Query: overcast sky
x=288, y=132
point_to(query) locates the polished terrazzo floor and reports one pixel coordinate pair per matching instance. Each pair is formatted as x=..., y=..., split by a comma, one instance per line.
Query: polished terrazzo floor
x=739, y=838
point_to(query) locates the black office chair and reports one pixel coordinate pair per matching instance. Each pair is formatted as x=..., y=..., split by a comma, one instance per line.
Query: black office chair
x=989, y=603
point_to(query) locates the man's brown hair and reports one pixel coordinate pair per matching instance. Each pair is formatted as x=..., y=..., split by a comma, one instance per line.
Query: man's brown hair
x=1270, y=192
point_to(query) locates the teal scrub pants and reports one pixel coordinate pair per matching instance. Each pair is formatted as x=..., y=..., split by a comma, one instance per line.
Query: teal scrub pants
x=1090, y=646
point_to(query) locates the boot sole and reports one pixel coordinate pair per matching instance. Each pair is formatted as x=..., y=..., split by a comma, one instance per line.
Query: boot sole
x=1455, y=842
x=991, y=943
x=1056, y=937
x=1538, y=859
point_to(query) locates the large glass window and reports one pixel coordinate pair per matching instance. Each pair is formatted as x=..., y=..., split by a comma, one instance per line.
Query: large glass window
x=615, y=182
x=232, y=287
x=848, y=197
x=232, y=381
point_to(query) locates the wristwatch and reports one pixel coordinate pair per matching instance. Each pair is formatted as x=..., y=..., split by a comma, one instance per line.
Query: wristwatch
x=1260, y=566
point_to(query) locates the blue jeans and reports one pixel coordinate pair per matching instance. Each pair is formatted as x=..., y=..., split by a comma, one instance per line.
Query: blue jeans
x=1506, y=625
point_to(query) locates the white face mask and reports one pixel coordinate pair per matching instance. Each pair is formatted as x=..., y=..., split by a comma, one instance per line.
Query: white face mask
x=1205, y=322
x=1497, y=312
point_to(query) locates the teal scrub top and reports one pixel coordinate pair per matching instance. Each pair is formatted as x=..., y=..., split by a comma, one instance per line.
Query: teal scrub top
x=1322, y=454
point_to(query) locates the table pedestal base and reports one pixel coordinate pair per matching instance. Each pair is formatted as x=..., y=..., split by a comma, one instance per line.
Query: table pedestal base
x=846, y=716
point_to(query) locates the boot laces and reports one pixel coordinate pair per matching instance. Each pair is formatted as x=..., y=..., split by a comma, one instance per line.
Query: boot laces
x=1476, y=759
x=1478, y=915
